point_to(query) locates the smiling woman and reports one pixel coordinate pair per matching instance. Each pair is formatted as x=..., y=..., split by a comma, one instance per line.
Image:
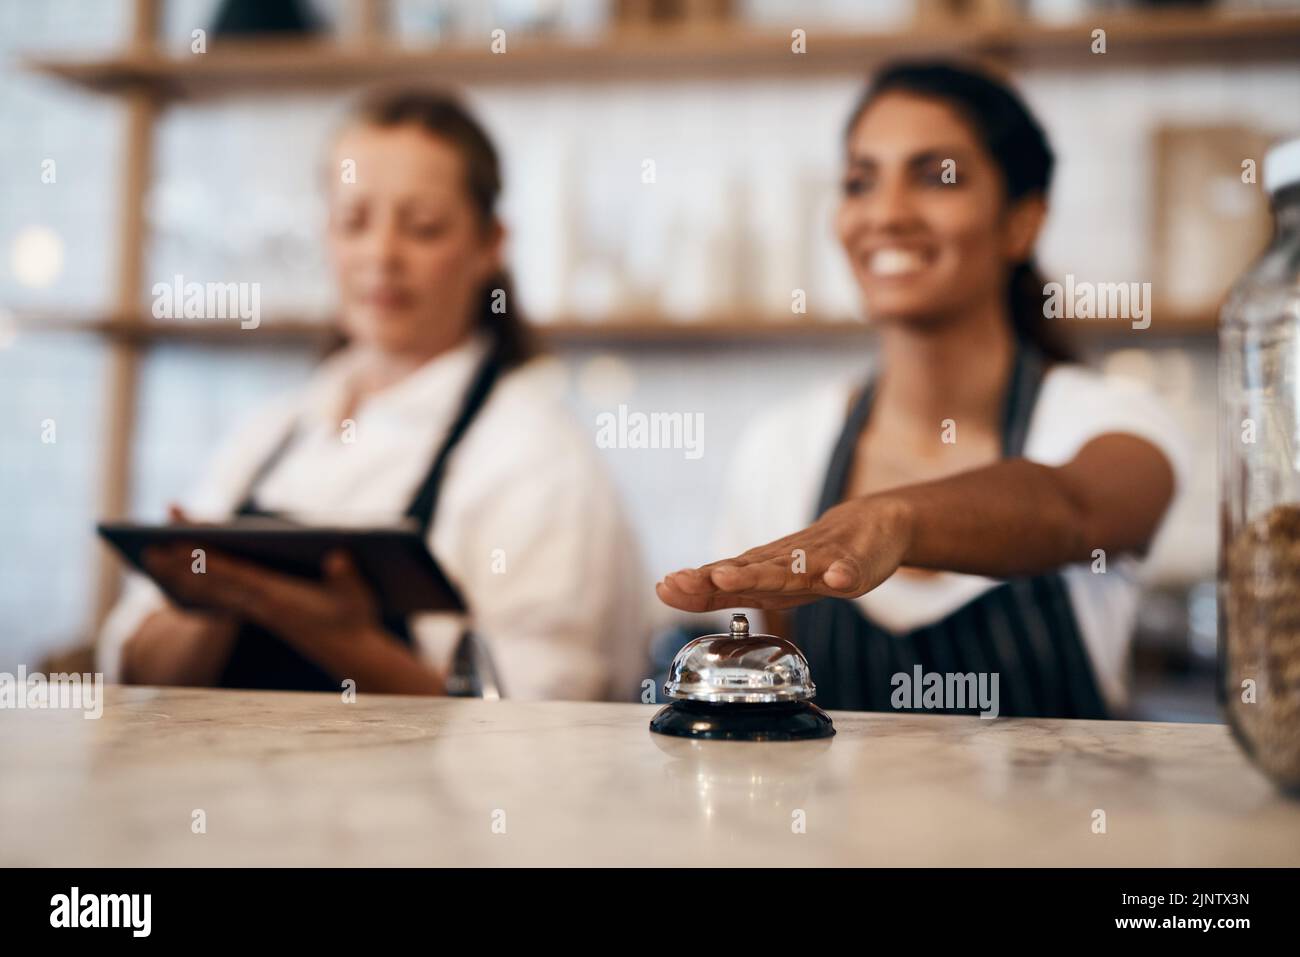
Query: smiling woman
x=981, y=191
x=985, y=499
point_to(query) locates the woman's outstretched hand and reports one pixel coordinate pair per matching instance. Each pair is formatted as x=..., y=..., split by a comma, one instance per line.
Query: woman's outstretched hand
x=847, y=552
x=1005, y=520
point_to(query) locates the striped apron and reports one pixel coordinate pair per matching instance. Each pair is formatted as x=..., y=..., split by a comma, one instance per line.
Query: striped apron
x=1024, y=629
x=262, y=660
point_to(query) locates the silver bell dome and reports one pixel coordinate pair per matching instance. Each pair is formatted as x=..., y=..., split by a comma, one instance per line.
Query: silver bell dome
x=740, y=668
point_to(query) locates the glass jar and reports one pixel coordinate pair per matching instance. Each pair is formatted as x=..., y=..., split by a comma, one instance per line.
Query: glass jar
x=1259, y=490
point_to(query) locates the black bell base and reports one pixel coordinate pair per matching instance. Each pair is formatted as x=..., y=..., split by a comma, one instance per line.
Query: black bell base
x=782, y=721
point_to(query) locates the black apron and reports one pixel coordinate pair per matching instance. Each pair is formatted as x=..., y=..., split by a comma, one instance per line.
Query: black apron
x=259, y=659
x=1023, y=629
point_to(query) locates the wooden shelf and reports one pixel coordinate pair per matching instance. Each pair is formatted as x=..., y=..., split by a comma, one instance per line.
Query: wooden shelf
x=627, y=332
x=1133, y=40
x=645, y=330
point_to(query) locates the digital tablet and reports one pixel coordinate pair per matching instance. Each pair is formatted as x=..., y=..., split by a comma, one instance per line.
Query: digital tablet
x=393, y=560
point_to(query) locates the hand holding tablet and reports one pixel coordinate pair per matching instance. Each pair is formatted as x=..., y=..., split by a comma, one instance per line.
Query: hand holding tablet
x=393, y=563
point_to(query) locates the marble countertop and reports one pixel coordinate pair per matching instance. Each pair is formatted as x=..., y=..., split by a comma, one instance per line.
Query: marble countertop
x=306, y=779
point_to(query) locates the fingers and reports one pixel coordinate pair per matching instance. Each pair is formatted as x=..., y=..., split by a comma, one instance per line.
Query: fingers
x=764, y=580
x=338, y=567
x=162, y=564
x=721, y=601
x=345, y=580
x=221, y=582
x=820, y=573
x=685, y=601
x=676, y=597
x=170, y=567
x=690, y=581
x=844, y=574
x=177, y=515
x=773, y=575
x=728, y=575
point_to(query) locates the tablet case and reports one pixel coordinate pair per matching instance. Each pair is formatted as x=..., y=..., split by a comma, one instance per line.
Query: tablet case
x=393, y=560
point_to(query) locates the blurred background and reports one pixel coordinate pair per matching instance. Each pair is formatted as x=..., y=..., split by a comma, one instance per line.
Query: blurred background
x=673, y=295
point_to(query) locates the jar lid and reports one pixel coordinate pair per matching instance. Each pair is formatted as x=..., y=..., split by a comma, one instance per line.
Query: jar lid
x=740, y=668
x=1282, y=166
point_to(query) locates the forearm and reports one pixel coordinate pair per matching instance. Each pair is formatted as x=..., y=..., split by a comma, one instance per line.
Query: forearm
x=1013, y=518
x=172, y=647
x=374, y=659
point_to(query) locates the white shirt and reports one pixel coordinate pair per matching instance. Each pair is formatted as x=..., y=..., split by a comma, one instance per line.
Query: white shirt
x=780, y=469
x=528, y=526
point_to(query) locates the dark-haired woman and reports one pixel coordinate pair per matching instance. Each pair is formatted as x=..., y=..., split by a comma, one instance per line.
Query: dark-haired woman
x=983, y=500
x=432, y=413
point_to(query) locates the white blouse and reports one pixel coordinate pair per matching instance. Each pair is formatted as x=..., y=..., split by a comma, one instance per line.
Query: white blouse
x=528, y=526
x=780, y=469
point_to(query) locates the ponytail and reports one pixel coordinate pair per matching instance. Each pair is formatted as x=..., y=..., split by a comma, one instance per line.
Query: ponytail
x=1026, y=298
x=513, y=340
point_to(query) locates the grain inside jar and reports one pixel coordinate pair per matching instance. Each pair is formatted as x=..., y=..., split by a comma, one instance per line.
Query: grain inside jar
x=1262, y=644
